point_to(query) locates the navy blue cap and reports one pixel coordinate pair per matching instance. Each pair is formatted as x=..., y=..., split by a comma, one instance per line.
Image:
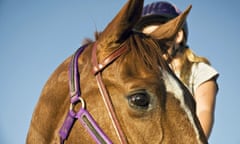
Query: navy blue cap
x=159, y=12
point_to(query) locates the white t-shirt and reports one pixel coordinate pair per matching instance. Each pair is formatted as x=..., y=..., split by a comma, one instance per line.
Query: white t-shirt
x=201, y=73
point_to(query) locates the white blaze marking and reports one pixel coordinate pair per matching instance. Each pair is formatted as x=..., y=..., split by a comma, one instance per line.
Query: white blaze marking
x=173, y=86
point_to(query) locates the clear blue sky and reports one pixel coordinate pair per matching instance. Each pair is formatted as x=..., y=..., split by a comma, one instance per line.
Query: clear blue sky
x=37, y=35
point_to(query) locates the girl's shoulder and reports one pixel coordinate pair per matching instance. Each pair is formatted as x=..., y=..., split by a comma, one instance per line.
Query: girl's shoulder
x=203, y=67
x=201, y=72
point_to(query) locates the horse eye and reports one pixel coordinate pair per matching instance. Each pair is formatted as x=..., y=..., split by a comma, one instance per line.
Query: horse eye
x=139, y=100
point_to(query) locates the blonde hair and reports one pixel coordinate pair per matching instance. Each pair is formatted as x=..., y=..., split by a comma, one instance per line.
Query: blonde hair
x=188, y=58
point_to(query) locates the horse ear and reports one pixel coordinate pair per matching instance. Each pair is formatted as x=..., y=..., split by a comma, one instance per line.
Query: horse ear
x=170, y=29
x=119, y=28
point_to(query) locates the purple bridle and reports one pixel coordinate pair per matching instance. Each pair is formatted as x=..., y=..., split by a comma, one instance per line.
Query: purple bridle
x=83, y=115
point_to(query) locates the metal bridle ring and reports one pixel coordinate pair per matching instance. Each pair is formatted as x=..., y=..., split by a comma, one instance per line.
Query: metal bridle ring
x=81, y=101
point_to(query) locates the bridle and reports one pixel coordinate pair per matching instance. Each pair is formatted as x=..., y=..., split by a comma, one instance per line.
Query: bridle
x=83, y=115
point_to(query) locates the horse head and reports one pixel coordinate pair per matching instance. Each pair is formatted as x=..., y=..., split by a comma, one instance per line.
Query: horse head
x=150, y=103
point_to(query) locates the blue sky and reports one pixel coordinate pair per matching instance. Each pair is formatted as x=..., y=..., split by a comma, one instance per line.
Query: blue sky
x=36, y=36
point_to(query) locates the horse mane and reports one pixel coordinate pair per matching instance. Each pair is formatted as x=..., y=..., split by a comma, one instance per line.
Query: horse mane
x=89, y=40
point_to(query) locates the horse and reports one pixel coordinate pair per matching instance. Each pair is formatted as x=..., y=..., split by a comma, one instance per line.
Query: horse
x=121, y=91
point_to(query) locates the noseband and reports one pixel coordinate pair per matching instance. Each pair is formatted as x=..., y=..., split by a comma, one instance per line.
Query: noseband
x=83, y=115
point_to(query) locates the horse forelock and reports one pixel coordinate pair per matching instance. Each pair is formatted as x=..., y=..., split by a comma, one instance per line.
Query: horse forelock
x=146, y=51
x=143, y=48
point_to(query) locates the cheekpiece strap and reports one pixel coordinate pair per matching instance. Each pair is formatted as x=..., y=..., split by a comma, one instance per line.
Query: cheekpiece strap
x=82, y=115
